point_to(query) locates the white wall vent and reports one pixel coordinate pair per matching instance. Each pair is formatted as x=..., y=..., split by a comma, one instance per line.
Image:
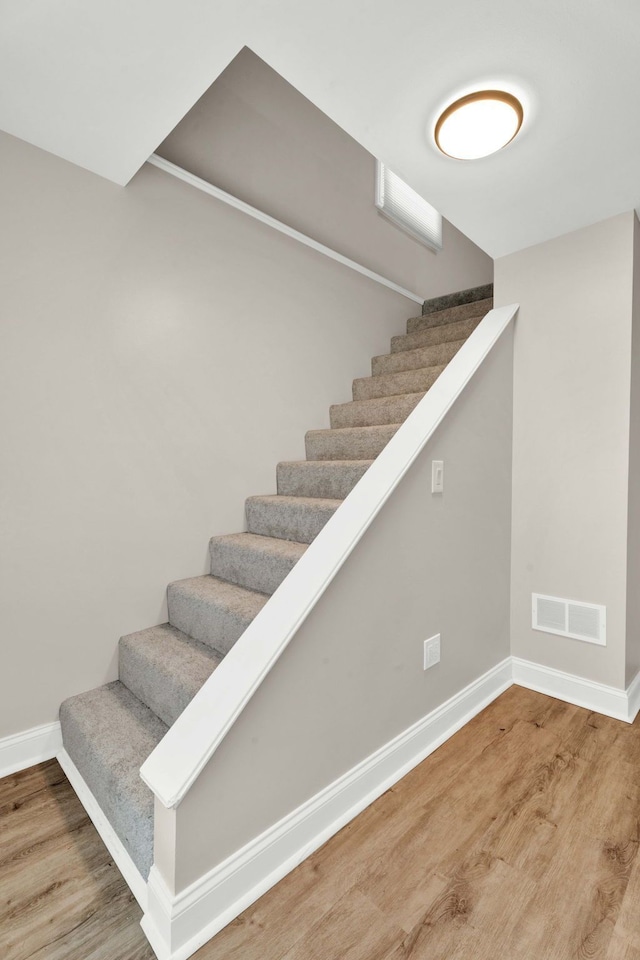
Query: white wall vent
x=568, y=618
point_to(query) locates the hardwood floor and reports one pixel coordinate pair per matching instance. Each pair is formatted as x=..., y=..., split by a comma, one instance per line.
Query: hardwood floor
x=516, y=839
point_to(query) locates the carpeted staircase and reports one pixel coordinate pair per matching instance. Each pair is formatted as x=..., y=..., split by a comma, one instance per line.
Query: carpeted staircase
x=109, y=732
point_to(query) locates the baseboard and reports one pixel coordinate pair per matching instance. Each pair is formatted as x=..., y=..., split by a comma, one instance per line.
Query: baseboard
x=633, y=698
x=109, y=837
x=177, y=926
x=610, y=701
x=33, y=746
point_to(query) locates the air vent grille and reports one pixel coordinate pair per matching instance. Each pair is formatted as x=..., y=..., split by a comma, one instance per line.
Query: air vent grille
x=568, y=618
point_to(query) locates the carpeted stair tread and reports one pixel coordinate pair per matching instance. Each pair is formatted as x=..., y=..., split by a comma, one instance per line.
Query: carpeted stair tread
x=437, y=355
x=213, y=611
x=109, y=733
x=250, y=560
x=289, y=518
x=378, y=411
x=354, y=443
x=165, y=668
x=442, y=334
x=394, y=384
x=446, y=300
x=462, y=311
x=330, y=479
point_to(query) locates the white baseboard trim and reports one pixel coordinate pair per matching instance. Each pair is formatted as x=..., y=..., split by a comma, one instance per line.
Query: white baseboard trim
x=33, y=746
x=611, y=701
x=177, y=926
x=109, y=837
x=633, y=698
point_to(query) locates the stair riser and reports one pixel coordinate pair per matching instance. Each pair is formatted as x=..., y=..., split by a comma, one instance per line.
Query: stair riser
x=204, y=620
x=478, y=308
x=393, y=384
x=436, y=356
x=248, y=569
x=324, y=479
x=322, y=445
x=373, y=412
x=470, y=295
x=427, y=338
x=285, y=521
x=159, y=683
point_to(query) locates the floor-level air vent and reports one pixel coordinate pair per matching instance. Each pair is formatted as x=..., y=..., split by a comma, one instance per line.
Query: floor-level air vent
x=567, y=618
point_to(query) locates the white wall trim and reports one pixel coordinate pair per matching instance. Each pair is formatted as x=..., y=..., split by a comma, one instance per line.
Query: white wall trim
x=22, y=750
x=278, y=225
x=633, y=698
x=611, y=701
x=182, y=754
x=109, y=837
x=177, y=926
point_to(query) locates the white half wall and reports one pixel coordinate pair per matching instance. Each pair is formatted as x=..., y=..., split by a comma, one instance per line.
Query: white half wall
x=352, y=677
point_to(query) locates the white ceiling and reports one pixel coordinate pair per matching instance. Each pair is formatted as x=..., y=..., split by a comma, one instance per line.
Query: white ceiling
x=103, y=83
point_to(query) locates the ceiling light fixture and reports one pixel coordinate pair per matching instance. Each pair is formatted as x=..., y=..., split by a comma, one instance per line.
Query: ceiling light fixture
x=479, y=124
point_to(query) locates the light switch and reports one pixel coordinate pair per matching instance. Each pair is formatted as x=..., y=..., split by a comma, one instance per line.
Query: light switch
x=437, y=476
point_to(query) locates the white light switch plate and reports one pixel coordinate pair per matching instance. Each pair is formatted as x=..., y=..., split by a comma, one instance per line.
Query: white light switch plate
x=437, y=476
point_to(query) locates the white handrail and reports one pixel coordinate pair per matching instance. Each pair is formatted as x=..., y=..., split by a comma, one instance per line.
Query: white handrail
x=232, y=201
x=181, y=755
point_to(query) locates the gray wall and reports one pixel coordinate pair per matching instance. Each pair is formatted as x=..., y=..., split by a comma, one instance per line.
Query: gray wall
x=352, y=677
x=258, y=138
x=571, y=437
x=633, y=541
x=160, y=353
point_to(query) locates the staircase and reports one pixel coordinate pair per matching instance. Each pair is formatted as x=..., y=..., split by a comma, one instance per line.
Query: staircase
x=109, y=732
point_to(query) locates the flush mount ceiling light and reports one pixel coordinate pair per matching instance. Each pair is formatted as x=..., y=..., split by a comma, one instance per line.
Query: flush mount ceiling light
x=479, y=124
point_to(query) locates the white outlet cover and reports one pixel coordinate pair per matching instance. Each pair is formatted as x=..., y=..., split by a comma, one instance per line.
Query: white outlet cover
x=432, y=651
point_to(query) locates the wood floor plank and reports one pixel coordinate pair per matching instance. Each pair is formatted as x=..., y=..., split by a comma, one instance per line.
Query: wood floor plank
x=621, y=949
x=457, y=817
x=17, y=787
x=517, y=839
x=363, y=932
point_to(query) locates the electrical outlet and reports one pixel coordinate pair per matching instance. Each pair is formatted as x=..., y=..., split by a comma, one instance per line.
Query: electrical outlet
x=432, y=651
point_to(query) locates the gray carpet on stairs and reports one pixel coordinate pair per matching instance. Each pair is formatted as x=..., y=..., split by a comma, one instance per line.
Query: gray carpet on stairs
x=109, y=732
x=328, y=479
x=464, y=311
x=258, y=562
x=212, y=610
x=438, y=304
x=437, y=355
x=444, y=333
x=394, y=384
x=377, y=411
x=355, y=443
x=165, y=668
x=291, y=518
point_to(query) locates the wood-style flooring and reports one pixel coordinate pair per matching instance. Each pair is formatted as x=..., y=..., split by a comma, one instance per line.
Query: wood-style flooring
x=516, y=839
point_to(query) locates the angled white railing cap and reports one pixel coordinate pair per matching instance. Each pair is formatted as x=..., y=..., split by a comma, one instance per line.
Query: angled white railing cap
x=181, y=755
